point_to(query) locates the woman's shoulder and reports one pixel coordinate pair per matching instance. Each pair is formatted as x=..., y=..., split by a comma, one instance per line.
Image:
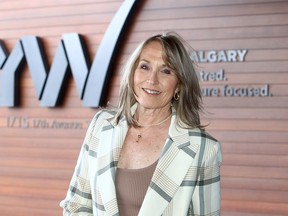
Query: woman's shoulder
x=101, y=117
x=104, y=114
x=204, y=139
x=209, y=147
x=201, y=133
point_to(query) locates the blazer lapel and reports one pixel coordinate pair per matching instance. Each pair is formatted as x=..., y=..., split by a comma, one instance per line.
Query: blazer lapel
x=111, y=141
x=174, y=162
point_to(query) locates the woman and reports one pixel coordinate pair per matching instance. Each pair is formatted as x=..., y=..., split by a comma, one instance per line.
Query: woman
x=151, y=155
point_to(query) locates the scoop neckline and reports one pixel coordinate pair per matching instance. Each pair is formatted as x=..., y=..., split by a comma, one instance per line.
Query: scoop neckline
x=138, y=169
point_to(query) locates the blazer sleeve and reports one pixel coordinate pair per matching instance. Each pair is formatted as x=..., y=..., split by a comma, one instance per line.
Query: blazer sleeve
x=78, y=199
x=206, y=199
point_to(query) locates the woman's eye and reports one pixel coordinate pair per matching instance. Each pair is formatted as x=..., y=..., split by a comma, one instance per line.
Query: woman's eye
x=166, y=71
x=144, y=66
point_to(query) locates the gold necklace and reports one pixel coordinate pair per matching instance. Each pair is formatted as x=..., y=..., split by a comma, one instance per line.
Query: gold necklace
x=156, y=124
x=139, y=136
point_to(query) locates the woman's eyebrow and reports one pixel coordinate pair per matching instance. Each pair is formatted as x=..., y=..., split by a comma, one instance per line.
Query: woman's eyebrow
x=144, y=60
x=147, y=61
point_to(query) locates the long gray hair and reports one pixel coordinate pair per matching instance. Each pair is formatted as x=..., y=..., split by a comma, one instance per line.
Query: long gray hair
x=176, y=56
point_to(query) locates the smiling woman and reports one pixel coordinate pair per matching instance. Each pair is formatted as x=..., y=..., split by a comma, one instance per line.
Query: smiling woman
x=154, y=82
x=151, y=155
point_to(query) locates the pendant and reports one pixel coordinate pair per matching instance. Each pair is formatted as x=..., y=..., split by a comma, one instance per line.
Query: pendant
x=139, y=136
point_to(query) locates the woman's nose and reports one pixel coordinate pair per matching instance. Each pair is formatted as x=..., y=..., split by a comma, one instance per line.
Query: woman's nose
x=153, y=78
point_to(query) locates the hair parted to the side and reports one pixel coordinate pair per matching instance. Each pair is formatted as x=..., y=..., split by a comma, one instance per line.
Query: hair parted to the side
x=176, y=56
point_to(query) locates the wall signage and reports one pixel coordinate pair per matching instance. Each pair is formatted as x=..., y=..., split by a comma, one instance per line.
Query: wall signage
x=225, y=56
x=46, y=123
x=71, y=54
x=213, y=56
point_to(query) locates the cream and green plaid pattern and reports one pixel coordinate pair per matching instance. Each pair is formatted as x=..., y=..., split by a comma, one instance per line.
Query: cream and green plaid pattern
x=186, y=180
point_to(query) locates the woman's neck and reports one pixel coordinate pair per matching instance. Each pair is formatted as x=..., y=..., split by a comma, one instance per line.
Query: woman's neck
x=152, y=117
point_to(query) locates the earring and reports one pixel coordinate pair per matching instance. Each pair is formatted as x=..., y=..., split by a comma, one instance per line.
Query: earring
x=176, y=96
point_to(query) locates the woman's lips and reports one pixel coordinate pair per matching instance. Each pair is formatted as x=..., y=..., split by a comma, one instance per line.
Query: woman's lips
x=150, y=91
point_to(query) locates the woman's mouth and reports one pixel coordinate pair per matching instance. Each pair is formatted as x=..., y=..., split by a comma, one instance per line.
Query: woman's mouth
x=149, y=91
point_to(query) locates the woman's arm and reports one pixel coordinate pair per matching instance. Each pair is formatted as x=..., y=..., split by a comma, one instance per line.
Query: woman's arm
x=78, y=200
x=206, y=199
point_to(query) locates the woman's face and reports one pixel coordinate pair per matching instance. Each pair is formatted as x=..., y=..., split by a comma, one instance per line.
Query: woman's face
x=154, y=82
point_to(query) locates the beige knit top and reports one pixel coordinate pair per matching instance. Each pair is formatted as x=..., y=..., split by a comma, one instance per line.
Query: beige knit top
x=131, y=187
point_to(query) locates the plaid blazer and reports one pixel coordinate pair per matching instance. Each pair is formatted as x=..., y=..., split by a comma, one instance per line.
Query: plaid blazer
x=186, y=180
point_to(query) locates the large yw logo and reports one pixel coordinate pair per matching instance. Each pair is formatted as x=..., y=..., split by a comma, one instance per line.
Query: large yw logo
x=71, y=54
